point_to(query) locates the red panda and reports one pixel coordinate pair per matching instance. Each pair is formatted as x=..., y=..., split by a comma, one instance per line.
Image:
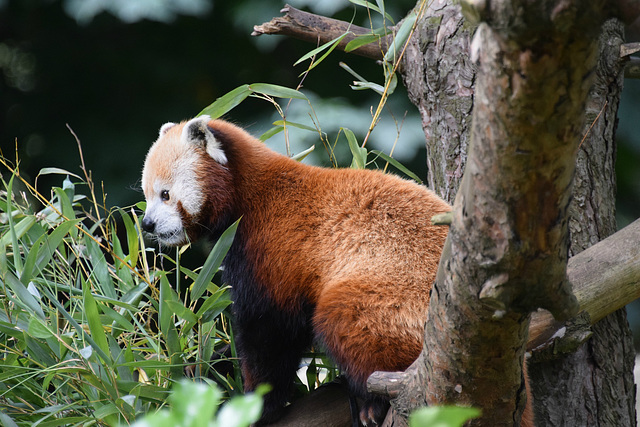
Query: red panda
x=344, y=257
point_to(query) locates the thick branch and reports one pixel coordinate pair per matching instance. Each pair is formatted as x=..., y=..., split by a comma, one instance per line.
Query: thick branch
x=318, y=30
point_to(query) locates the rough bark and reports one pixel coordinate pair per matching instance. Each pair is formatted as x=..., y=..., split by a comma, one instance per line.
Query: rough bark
x=599, y=373
x=440, y=78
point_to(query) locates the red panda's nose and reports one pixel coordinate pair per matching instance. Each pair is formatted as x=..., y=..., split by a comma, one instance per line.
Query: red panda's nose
x=148, y=224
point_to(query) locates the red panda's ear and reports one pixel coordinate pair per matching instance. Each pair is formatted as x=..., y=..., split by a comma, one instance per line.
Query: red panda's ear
x=165, y=127
x=196, y=132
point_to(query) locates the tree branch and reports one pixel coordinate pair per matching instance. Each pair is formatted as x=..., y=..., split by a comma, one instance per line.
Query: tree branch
x=318, y=30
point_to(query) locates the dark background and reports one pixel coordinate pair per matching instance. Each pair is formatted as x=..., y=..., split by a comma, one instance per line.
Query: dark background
x=116, y=70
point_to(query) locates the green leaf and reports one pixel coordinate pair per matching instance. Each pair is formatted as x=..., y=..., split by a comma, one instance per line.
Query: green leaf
x=359, y=153
x=194, y=404
x=295, y=125
x=226, y=102
x=38, y=329
x=132, y=237
x=329, y=46
x=179, y=309
x=17, y=229
x=301, y=155
x=379, y=89
x=442, y=416
x=168, y=327
x=361, y=41
x=101, y=269
x=241, y=411
x=400, y=38
x=6, y=420
x=26, y=298
x=93, y=318
x=65, y=203
x=214, y=260
x=43, y=249
x=58, y=171
x=271, y=132
x=372, y=7
x=276, y=91
x=398, y=165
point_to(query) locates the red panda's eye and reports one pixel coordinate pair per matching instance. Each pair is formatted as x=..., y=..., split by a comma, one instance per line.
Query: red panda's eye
x=164, y=195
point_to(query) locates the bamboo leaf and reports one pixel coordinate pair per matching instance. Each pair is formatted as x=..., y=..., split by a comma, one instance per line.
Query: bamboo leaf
x=271, y=132
x=25, y=297
x=301, y=155
x=276, y=91
x=181, y=311
x=168, y=327
x=361, y=41
x=359, y=153
x=57, y=171
x=93, y=318
x=372, y=7
x=398, y=165
x=329, y=46
x=226, y=102
x=214, y=260
x=400, y=38
x=379, y=89
x=132, y=237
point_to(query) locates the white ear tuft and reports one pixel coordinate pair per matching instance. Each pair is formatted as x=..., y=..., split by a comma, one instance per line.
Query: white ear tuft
x=165, y=127
x=196, y=132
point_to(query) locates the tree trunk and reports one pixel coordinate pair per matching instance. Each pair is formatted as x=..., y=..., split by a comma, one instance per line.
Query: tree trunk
x=584, y=388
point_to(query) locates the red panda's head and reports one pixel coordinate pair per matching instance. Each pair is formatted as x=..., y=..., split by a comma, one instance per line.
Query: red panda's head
x=185, y=182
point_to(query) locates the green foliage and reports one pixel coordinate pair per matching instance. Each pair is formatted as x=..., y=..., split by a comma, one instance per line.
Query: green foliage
x=194, y=405
x=442, y=416
x=91, y=328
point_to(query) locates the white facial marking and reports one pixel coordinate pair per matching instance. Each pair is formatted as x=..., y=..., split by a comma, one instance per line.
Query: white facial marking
x=171, y=167
x=195, y=132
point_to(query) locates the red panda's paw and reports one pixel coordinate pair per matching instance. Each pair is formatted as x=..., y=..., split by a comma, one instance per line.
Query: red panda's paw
x=373, y=412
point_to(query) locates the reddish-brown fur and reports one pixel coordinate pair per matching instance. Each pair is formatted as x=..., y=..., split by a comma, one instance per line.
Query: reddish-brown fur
x=349, y=255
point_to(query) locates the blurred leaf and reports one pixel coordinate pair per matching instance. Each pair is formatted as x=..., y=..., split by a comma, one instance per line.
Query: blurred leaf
x=442, y=416
x=241, y=411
